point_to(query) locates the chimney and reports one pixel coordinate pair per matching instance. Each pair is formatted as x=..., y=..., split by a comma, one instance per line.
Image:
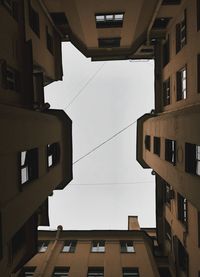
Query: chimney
x=133, y=223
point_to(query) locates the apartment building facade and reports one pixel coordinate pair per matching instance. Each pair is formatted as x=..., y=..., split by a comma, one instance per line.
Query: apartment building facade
x=168, y=140
x=36, y=142
x=95, y=253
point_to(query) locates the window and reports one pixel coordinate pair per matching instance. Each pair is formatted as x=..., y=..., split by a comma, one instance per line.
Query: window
x=112, y=20
x=171, y=2
x=95, y=272
x=27, y=271
x=181, y=34
x=127, y=247
x=60, y=272
x=130, y=272
x=147, y=142
x=69, y=246
x=34, y=20
x=166, y=52
x=192, y=158
x=198, y=73
x=156, y=145
x=181, y=84
x=170, y=151
x=12, y=7
x=166, y=92
x=183, y=259
x=182, y=209
x=98, y=246
x=198, y=218
x=168, y=232
x=169, y=193
x=198, y=15
x=12, y=79
x=109, y=42
x=29, y=165
x=49, y=41
x=53, y=154
x=42, y=246
x=161, y=23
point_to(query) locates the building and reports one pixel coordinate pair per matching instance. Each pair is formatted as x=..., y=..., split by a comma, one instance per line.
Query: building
x=168, y=138
x=96, y=253
x=35, y=142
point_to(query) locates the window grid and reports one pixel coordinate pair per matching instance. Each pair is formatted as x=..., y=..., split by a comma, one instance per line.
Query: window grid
x=130, y=272
x=166, y=92
x=95, y=272
x=42, y=246
x=127, y=247
x=156, y=146
x=28, y=271
x=61, y=272
x=182, y=84
x=69, y=246
x=181, y=38
x=170, y=151
x=182, y=209
x=28, y=165
x=109, y=20
x=98, y=246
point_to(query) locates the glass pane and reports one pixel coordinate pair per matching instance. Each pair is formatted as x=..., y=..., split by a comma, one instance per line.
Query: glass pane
x=23, y=157
x=50, y=160
x=109, y=17
x=119, y=16
x=99, y=18
x=198, y=168
x=24, y=175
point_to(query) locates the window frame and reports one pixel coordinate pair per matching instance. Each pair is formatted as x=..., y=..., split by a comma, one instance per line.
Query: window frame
x=181, y=84
x=98, y=271
x=98, y=246
x=192, y=159
x=147, y=142
x=53, y=154
x=49, y=41
x=26, y=269
x=156, y=145
x=166, y=92
x=127, y=246
x=198, y=14
x=109, y=23
x=34, y=20
x=62, y=270
x=170, y=151
x=112, y=42
x=182, y=209
x=69, y=246
x=181, y=33
x=43, y=246
x=130, y=272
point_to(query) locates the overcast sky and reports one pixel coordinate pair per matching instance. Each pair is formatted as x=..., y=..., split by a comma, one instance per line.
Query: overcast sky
x=102, y=98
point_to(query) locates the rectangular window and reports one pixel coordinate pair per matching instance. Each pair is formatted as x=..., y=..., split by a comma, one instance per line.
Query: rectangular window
x=166, y=92
x=109, y=42
x=156, y=145
x=170, y=151
x=169, y=193
x=198, y=73
x=29, y=165
x=12, y=7
x=42, y=246
x=181, y=38
x=168, y=232
x=12, y=79
x=183, y=258
x=147, y=142
x=181, y=84
x=69, y=246
x=60, y=271
x=198, y=15
x=182, y=209
x=112, y=20
x=27, y=271
x=171, y=2
x=166, y=52
x=127, y=247
x=53, y=154
x=34, y=20
x=192, y=158
x=49, y=41
x=161, y=22
x=198, y=231
x=130, y=272
x=98, y=246
x=95, y=272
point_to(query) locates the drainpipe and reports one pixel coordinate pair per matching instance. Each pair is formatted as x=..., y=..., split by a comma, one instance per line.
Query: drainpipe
x=152, y=20
x=49, y=254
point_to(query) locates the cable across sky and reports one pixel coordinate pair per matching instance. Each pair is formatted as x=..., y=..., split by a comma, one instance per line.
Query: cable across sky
x=104, y=142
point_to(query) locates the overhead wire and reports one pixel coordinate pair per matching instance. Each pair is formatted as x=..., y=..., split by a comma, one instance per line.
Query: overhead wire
x=104, y=142
x=85, y=85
